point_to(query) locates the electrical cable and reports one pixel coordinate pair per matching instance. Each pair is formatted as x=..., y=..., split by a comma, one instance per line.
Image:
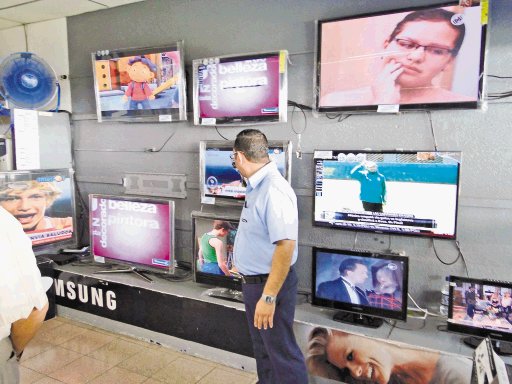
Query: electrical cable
x=427, y=312
x=217, y=129
x=429, y=114
x=163, y=145
x=442, y=261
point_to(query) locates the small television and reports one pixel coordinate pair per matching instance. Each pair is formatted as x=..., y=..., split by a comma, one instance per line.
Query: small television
x=43, y=201
x=220, y=182
x=482, y=308
x=140, y=84
x=134, y=232
x=418, y=58
x=365, y=286
x=213, y=239
x=241, y=89
x=399, y=192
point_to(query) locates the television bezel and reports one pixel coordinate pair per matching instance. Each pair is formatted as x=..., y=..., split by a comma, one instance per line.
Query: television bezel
x=56, y=246
x=286, y=146
x=391, y=232
x=234, y=283
x=466, y=329
x=358, y=308
x=375, y=107
x=281, y=117
x=163, y=115
x=139, y=266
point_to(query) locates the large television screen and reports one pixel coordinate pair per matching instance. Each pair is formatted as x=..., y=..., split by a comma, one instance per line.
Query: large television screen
x=212, y=249
x=480, y=307
x=220, y=182
x=140, y=84
x=43, y=202
x=410, y=193
x=241, y=89
x=361, y=282
x=429, y=57
x=133, y=231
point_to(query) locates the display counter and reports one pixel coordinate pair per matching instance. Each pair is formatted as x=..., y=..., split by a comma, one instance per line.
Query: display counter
x=181, y=315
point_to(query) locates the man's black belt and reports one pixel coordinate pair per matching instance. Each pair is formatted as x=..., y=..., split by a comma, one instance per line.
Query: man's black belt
x=254, y=279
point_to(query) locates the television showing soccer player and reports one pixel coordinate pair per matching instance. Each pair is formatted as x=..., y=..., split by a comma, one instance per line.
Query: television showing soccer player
x=402, y=192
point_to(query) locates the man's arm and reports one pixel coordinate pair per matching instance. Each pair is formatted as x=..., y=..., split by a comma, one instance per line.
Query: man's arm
x=23, y=330
x=281, y=261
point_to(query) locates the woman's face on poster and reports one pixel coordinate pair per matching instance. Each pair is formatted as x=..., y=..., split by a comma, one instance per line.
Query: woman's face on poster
x=366, y=359
x=423, y=49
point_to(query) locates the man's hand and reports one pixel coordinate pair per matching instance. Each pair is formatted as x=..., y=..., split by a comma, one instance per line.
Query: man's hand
x=264, y=315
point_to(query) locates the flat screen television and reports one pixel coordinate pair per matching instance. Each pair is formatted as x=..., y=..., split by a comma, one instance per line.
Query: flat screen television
x=482, y=308
x=399, y=192
x=220, y=183
x=140, y=84
x=43, y=201
x=419, y=58
x=365, y=286
x=213, y=239
x=134, y=232
x=241, y=89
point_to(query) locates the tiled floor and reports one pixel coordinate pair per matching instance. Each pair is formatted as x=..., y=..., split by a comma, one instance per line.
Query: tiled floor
x=66, y=351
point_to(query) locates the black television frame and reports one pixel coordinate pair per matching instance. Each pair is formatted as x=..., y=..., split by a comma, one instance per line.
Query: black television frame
x=361, y=310
x=235, y=282
x=383, y=231
x=374, y=108
x=285, y=145
x=280, y=117
x=481, y=332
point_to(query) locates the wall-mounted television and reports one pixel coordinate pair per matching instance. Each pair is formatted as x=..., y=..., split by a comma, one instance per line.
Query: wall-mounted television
x=43, y=201
x=400, y=192
x=359, y=282
x=241, y=89
x=134, y=232
x=482, y=308
x=419, y=58
x=140, y=84
x=220, y=182
x=213, y=239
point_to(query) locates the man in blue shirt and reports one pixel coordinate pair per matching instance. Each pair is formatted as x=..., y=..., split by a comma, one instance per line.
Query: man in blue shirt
x=373, y=186
x=265, y=251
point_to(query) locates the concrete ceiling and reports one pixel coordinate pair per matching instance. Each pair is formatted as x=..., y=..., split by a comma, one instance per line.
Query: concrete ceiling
x=18, y=12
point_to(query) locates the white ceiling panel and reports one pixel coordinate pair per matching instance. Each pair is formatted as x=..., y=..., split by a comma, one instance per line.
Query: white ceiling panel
x=17, y=12
x=47, y=10
x=4, y=24
x=116, y=3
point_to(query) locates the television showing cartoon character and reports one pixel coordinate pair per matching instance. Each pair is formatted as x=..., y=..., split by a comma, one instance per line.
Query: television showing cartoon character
x=145, y=84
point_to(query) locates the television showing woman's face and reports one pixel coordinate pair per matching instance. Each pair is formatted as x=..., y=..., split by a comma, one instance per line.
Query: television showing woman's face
x=429, y=56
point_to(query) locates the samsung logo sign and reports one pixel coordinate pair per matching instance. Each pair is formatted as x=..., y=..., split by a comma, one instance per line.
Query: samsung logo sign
x=85, y=294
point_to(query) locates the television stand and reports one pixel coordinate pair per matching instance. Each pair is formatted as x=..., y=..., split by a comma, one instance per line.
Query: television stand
x=499, y=346
x=127, y=270
x=225, y=293
x=358, y=319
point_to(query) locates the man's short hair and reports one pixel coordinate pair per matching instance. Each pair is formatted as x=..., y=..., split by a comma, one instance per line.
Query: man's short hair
x=349, y=264
x=254, y=144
